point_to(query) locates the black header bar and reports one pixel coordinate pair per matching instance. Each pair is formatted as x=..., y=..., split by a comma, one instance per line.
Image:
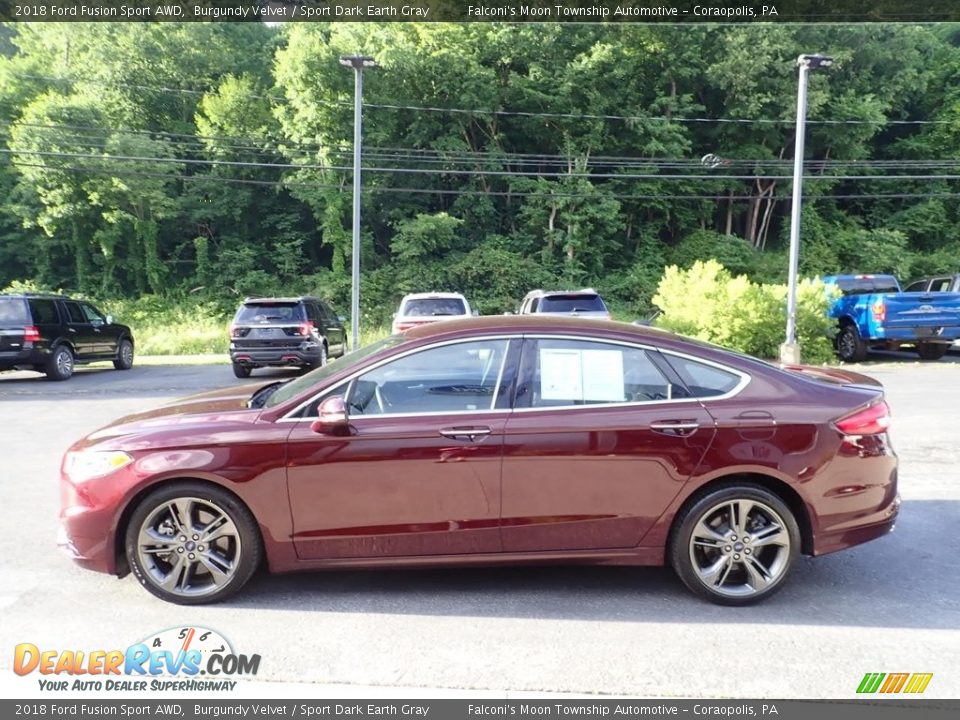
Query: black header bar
x=514, y=11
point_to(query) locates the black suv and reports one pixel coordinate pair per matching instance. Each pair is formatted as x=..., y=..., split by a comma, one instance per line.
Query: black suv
x=53, y=333
x=300, y=331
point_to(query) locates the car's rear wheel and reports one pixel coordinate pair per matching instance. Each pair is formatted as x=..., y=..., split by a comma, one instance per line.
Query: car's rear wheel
x=932, y=351
x=60, y=364
x=850, y=347
x=124, y=359
x=735, y=545
x=192, y=543
x=241, y=371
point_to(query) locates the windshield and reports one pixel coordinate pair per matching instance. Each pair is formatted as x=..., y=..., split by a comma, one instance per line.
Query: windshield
x=270, y=312
x=571, y=303
x=305, y=382
x=427, y=307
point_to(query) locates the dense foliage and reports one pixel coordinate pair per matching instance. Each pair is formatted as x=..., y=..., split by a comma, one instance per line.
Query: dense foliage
x=707, y=302
x=214, y=160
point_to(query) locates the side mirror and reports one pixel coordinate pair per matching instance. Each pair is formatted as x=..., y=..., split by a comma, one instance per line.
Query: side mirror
x=109, y=319
x=331, y=417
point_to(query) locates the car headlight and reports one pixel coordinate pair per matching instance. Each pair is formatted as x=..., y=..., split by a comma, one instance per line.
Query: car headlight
x=84, y=465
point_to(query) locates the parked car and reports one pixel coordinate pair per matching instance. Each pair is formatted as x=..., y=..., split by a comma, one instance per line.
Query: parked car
x=53, y=334
x=938, y=283
x=585, y=303
x=872, y=312
x=283, y=332
x=496, y=440
x=419, y=309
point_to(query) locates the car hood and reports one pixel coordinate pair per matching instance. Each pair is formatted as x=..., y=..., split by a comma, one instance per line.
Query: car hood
x=221, y=407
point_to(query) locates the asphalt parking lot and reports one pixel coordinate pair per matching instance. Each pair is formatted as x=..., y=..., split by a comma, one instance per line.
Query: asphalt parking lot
x=890, y=606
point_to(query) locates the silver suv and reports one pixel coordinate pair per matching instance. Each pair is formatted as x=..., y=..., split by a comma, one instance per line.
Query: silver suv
x=585, y=303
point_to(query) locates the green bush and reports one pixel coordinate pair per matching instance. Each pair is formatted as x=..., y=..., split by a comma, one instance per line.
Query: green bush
x=709, y=303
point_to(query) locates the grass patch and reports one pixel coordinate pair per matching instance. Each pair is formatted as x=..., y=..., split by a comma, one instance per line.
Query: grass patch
x=189, y=328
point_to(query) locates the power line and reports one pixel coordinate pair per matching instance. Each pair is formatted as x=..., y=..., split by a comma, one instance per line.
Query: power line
x=512, y=113
x=505, y=194
x=448, y=171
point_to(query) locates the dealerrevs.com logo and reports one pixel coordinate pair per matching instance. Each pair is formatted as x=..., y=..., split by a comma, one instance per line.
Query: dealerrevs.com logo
x=182, y=659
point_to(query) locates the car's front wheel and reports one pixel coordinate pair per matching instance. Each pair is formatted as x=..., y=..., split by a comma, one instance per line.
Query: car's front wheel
x=192, y=543
x=735, y=545
x=124, y=359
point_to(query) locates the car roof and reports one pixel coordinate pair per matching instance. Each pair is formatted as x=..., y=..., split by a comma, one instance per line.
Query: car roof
x=430, y=295
x=300, y=298
x=545, y=293
x=548, y=324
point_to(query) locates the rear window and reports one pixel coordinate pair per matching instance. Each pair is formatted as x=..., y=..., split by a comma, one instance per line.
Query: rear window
x=868, y=286
x=44, y=312
x=13, y=311
x=703, y=380
x=572, y=303
x=429, y=307
x=270, y=313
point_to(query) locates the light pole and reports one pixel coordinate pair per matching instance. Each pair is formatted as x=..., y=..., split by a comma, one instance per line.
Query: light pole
x=358, y=63
x=790, y=350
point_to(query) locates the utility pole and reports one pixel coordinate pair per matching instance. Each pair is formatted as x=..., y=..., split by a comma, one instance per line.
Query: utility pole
x=790, y=350
x=358, y=63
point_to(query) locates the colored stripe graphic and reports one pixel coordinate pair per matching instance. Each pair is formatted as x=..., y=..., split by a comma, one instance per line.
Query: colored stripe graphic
x=918, y=683
x=895, y=682
x=870, y=682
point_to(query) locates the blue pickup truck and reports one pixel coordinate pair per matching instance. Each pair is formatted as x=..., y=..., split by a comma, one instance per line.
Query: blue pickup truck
x=872, y=312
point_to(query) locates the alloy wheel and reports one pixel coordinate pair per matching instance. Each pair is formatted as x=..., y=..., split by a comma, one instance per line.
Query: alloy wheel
x=189, y=547
x=740, y=548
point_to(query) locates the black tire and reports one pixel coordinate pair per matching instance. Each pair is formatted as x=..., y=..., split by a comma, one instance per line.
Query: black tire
x=932, y=351
x=242, y=371
x=320, y=362
x=60, y=364
x=850, y=347
x=247, y=544
x=124, y=359
x=774, y=531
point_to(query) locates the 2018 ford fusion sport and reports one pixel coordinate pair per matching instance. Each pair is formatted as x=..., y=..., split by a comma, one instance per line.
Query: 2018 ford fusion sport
x=500, y=440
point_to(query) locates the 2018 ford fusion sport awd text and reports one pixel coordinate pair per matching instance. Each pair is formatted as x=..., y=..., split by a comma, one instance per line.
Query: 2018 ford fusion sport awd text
x=513, y=440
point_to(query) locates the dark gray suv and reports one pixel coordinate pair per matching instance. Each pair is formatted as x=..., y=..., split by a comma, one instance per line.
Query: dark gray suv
x=283, y=332
x=53, y=334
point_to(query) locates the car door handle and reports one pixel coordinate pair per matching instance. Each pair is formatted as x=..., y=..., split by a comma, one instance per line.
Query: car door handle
x=465, y=433
x=72, y=329
x=681, y=428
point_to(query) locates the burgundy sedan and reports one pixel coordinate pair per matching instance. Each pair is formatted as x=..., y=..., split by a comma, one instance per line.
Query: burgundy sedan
x=499, y=440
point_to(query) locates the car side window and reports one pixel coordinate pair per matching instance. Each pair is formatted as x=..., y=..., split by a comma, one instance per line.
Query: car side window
x=93, y=315
x=703, y=380
x=75, y=313
x=564, y=373
x=44, y=312
x=940, y=285
x=314, y=314
x=533, y=305
x=461, y=377
x=918, y=286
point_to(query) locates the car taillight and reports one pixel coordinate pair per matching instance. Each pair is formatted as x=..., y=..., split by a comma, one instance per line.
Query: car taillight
x=31, y=334
x=306, y=328
x=234, y=331
x=871, y=420
x=879, y=310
